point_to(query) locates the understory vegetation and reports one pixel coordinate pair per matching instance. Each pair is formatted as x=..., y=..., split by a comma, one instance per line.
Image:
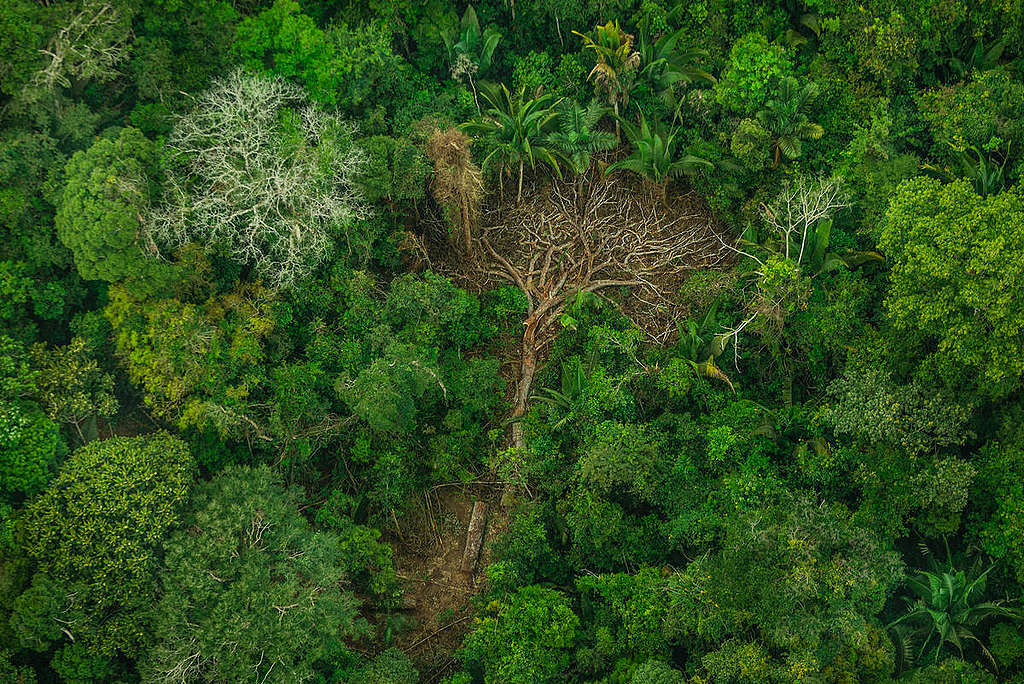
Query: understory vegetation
x=714, y=307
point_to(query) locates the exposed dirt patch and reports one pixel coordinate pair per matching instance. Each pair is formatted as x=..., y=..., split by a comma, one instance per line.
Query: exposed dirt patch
x=439, y=596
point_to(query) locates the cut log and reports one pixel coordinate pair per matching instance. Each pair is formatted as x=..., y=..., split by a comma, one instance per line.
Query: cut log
x=474, y=537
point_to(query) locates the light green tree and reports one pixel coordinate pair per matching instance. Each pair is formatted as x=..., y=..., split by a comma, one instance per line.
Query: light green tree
x=530, y=639
x=96, y=535
x=101, y=216
x=957, y=271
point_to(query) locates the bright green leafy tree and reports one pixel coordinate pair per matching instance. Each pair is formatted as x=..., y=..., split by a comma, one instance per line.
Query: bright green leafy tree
x=530, y=639
x=96, y=533
x=956, y=271
x=29, y=441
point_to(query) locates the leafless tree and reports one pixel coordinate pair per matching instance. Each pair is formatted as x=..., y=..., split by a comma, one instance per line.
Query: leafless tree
x=799, y=206
x=271, y=197
x=90, y=46
x=589, y=237
x=792, y=215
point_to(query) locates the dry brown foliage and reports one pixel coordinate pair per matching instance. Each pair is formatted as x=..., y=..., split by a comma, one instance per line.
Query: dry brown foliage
x=457, y=184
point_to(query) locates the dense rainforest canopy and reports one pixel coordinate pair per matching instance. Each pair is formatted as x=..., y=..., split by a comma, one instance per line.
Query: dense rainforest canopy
x=528, y=341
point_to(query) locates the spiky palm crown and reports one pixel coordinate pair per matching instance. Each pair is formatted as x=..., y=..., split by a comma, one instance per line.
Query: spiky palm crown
x=514, y=127
x=655, y=154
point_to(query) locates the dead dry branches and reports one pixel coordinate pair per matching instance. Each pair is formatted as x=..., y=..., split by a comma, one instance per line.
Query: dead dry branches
x=589, y=237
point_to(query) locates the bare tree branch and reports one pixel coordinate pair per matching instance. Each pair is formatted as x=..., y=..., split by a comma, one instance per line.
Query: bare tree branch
x=271, y=199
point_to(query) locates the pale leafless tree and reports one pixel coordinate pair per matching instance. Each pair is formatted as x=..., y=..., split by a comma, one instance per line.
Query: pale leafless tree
x=792, y=215
x=799, y=206
x=239, y=181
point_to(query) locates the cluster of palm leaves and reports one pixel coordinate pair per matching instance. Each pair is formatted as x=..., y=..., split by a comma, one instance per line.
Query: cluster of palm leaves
x=668, y=65
x=946, y=608
x=985, y=169
x=784, y=120
x=521, y=131
x=657, y=156
x=516, y=130
x=614, y=74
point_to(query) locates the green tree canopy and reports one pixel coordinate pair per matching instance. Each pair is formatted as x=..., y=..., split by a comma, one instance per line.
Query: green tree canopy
x=29, y=441
x=529, y=640
x=96, y=533
x=250, y=590
x=101, y=214
x=957, y=277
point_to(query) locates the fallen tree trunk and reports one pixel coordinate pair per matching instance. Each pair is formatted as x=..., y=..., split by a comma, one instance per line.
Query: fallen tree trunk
x=474, y=537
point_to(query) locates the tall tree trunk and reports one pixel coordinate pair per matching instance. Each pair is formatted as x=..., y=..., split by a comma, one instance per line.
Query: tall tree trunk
x=558, y=27
x=519, y=195
x=618, y=135
x=466, y=227
x=527, y=371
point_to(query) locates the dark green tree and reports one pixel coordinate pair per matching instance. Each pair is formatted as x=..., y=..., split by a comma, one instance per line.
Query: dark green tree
x=249, y=589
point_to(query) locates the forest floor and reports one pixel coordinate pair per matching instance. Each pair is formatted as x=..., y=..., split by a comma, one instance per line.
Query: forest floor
x=439, y=596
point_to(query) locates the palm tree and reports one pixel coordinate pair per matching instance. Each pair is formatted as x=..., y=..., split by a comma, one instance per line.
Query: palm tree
x=578, y=137
x=947, y=608
x=785, y=121
x=666, y=64
x=655, y=156
x=516, y=130
x=617, y=62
